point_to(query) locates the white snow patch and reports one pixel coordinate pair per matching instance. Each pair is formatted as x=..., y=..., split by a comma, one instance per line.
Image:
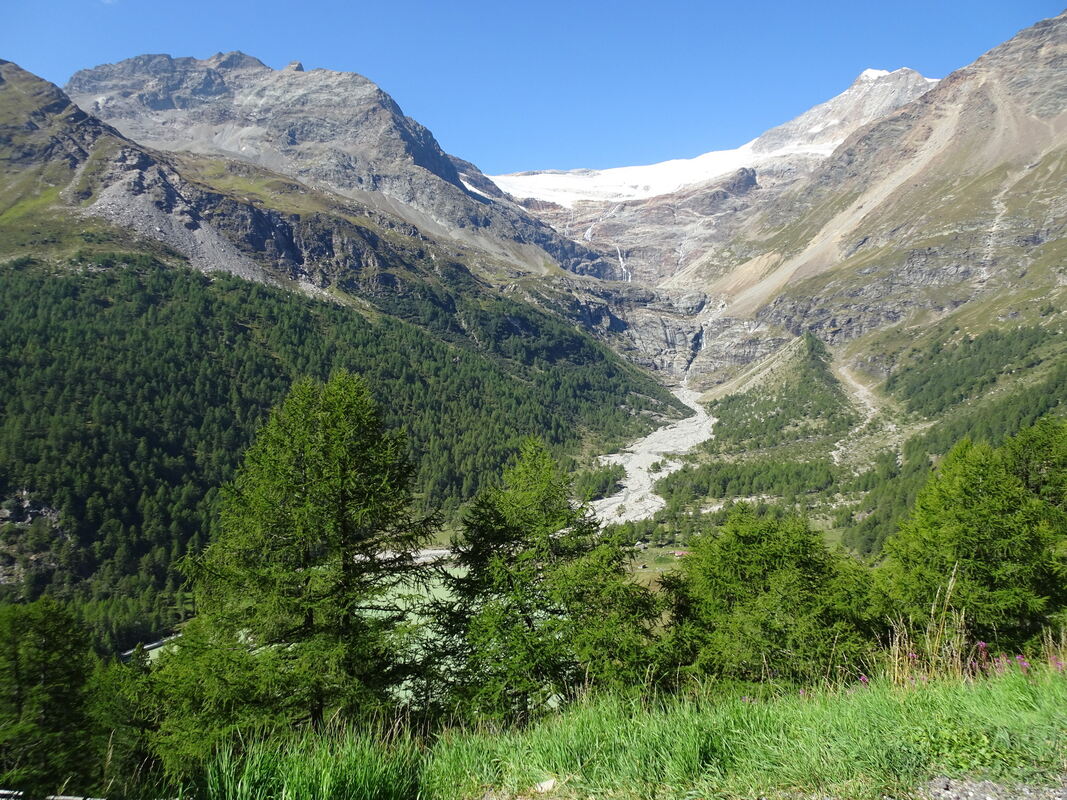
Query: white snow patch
x=621, y=184
x=473, y=189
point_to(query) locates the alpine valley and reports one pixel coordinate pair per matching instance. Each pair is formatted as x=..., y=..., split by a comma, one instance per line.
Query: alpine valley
x=846, y=296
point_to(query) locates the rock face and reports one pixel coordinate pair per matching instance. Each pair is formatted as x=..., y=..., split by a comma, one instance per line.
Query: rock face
x=300, y=238
x=41, y=124
x=331, y=130
x=955, y=197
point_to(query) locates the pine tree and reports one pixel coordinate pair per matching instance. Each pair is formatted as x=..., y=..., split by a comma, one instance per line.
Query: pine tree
x=981, y=542
x=539, y=601
x=299, y=614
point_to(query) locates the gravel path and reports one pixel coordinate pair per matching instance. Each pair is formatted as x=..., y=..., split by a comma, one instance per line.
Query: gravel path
x=636, y=500
x=945, y=789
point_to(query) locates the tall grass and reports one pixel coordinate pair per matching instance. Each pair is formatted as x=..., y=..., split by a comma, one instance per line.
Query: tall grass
x=330, y=766
x=942, y=648
x=863, y=741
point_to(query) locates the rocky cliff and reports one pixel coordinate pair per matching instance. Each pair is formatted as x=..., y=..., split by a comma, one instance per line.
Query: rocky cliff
x=336, y=131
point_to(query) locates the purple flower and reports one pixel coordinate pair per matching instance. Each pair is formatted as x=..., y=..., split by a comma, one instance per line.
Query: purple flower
x=864, y=679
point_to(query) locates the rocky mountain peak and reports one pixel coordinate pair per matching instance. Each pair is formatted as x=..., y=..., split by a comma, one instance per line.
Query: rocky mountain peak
x=235, y=60
x=336, y=128
x=39, y=123
x=873, y=94
x=332, y=130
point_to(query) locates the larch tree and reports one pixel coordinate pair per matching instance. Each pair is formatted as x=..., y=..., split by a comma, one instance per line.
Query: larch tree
x=539, y=601
x=986, y=539
x=298, y=596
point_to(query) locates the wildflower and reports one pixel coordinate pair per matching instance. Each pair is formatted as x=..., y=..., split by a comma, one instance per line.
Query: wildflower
x=803, y=693
x=864, y=679
x=913, y=656
x=1024, y=665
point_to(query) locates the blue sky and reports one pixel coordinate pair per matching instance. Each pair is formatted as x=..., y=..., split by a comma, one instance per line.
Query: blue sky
x=513, y=85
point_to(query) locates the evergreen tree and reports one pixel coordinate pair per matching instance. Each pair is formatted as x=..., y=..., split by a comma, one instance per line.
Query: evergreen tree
x=762, y=598
x=540, y=604
x=44, y=662
x=299, y=615
x=123, y=712
x=981, y=541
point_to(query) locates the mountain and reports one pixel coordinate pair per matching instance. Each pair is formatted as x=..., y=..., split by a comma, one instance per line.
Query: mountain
x=954, y=198
x=856, y=289
x=336, y=131
x=936, y=195
x=665, y=220
x=157, y=304
x=809, y=137
x=922, y=241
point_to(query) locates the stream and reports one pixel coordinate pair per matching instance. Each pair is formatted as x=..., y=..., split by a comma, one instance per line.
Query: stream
x=636, y=500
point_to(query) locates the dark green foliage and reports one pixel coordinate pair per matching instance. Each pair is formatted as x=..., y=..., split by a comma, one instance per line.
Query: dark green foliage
x=130, y=393
x=892, y=488
x=722, y=480
x=123, y=711
x=762, y=598
x=803, y=402
x=44, y=661
x=945, y=375
x=539, y=603
x=987, y=537
x=297, y=593
x=594, y=484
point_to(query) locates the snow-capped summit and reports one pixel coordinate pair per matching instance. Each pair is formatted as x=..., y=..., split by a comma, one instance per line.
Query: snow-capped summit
x=814, y=134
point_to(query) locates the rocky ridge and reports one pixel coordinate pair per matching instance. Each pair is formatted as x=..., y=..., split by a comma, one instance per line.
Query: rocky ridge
x=336, y=131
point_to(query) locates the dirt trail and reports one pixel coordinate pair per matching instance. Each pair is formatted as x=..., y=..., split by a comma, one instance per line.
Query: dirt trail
x=860, y=392
x=636, y=500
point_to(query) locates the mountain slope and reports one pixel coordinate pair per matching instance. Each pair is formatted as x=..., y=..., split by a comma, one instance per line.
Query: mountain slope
x=941, y=194
x=949, y=198
x=131, y=384
x=331, y=130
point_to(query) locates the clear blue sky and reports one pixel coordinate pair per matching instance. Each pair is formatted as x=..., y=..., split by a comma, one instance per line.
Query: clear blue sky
x=525, y=85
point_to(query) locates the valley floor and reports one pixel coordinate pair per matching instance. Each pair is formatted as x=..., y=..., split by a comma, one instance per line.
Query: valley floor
x=649, y=459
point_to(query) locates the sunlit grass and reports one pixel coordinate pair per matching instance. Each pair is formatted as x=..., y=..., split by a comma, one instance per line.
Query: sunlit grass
x=864, y=740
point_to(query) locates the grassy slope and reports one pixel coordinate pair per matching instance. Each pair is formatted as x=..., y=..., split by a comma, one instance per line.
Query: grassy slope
x=856, y=742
